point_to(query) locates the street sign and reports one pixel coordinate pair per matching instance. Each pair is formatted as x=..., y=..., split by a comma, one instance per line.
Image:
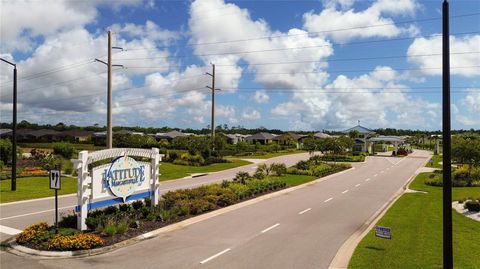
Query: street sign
x=55, y=179
x=383, y=232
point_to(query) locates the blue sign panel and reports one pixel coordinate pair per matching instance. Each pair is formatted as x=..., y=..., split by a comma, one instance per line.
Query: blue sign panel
x=383, y=232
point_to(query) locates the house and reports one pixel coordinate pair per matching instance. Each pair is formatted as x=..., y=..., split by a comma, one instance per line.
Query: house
x=235, y=138
x=44, y=135
x=361, y=142
x=321, y=135
x=5, y=133
x=262, y=138
x=77, y=135
x=170, y=135
x=289, y=139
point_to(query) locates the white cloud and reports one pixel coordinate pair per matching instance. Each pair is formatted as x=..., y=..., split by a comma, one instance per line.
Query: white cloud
x=261, y=97
x=472, y=101
x=251, y=114
x=433, y=45
x=369, y=98
x=332, y=19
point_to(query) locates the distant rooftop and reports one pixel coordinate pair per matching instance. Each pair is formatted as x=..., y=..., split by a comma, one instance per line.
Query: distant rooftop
x=360, y=129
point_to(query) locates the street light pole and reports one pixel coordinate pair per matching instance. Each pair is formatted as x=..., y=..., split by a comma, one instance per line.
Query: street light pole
x=447, y=161
x=14, y=127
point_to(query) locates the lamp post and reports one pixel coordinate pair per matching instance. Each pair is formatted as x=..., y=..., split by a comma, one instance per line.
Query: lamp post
x=14, y=126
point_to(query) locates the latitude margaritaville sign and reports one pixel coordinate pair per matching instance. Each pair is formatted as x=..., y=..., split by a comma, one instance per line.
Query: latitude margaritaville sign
x=122, y=180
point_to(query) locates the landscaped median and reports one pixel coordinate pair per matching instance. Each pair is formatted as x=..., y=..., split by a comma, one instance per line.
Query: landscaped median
x=416, y=224
x=113, y=224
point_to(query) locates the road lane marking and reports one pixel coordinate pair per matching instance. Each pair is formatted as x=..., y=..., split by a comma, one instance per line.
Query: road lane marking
x=306, y=210
x=382, y=172
x=329, y=199
x=35, y=213
x=357, y=185
x=8, y=230
x=368, y=179
x=345, y=191
x=214, y=256
x=271, y=227
x=375, y=175
x=388, y=168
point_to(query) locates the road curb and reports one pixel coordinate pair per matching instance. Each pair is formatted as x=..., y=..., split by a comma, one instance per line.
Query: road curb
x=38, y=199
x=345, y=252
x=19, y=250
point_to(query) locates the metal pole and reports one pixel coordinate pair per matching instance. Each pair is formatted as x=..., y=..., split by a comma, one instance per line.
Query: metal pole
x=447, y=167
x=109, y=92
x=213, y=104
x=14, y=131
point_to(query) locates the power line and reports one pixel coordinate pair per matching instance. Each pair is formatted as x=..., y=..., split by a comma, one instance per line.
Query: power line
x=317, y=32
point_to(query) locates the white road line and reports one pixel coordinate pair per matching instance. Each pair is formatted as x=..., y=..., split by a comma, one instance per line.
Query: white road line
x=306, y=210
x=368, y=179
x=345, y=191
x=357, y=185
x=329, y=199
x=375, y=175
x=388, y=168
x=269, y=228
x=8, y=230
x=35, y=213
x=382, y=172
x=214, y=256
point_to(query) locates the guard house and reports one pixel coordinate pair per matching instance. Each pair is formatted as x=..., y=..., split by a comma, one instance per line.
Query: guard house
x=396, y=141
x=361, y=140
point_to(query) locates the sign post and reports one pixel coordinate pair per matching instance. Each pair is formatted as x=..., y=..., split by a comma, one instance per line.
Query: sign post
x=55, y=183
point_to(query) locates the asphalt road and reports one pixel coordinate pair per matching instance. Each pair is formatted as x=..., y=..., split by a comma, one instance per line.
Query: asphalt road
x=301, y=229
x=16, y=216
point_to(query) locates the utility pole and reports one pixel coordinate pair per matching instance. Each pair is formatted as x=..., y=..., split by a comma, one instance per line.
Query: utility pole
x=213, y=104
x=447, y=161
x=109, y=88
x=14, y=127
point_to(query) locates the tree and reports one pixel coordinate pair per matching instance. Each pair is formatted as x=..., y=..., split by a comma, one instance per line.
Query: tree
x=5, y=151
x=466, y=150
x=353, y=133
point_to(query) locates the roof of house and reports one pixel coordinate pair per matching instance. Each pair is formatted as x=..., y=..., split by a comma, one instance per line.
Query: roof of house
x=5, y=131
x=360, y=129
x=294, y=135
x=387, y=138
x=77, y=132
x=171, y=134
x=44, y=132
x=321, y=135
x=261, y=136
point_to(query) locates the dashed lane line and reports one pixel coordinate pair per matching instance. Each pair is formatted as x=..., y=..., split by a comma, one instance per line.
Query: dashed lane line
x=345, y=191
x=304, y=211
x=271, y=227
x=357, y=185
x=9, y=230
x=368, y=179
x=329, y=199
x=214, y=256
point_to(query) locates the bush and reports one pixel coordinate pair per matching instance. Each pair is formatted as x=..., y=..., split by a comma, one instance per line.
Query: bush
x=75, y=242
x=5, y=151
x=65, y=150
x=473, y=206
x=69, y=221
x=137, y=204
x=241, y=177
x=279, y=169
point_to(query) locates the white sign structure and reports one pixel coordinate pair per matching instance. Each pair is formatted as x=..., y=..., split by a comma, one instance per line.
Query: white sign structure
x=54, y=179
x=123, y=179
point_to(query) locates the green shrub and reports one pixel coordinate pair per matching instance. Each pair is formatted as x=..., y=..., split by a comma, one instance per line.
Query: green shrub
x=69, y=221
x=65, y=150
x=473, y=206
x=122, y=227
x=279, y=169
x=109, y=210
x=124, y=207
x=110, y=229
x=241, y=177
x=5, y=151
x=137, y=204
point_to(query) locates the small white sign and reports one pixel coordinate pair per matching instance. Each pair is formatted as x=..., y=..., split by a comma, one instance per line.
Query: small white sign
x=55, y=179
x=383, y=232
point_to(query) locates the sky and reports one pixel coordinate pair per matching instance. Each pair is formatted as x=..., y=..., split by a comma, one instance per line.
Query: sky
x=290, y=65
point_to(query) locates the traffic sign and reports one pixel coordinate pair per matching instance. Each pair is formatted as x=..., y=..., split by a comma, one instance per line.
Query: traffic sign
x=383, y=232
x=55, y=179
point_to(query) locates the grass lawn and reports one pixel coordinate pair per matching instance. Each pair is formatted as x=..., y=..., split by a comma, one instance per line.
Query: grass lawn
x=170, y=171
x=436, y=159
x=416, y=222
x=272, y=154
x=34, y=187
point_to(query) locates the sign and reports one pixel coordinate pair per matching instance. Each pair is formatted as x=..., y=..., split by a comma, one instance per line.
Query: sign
x=123, y=177
x=383, y=232
x=54, y=179
x=122, y=180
